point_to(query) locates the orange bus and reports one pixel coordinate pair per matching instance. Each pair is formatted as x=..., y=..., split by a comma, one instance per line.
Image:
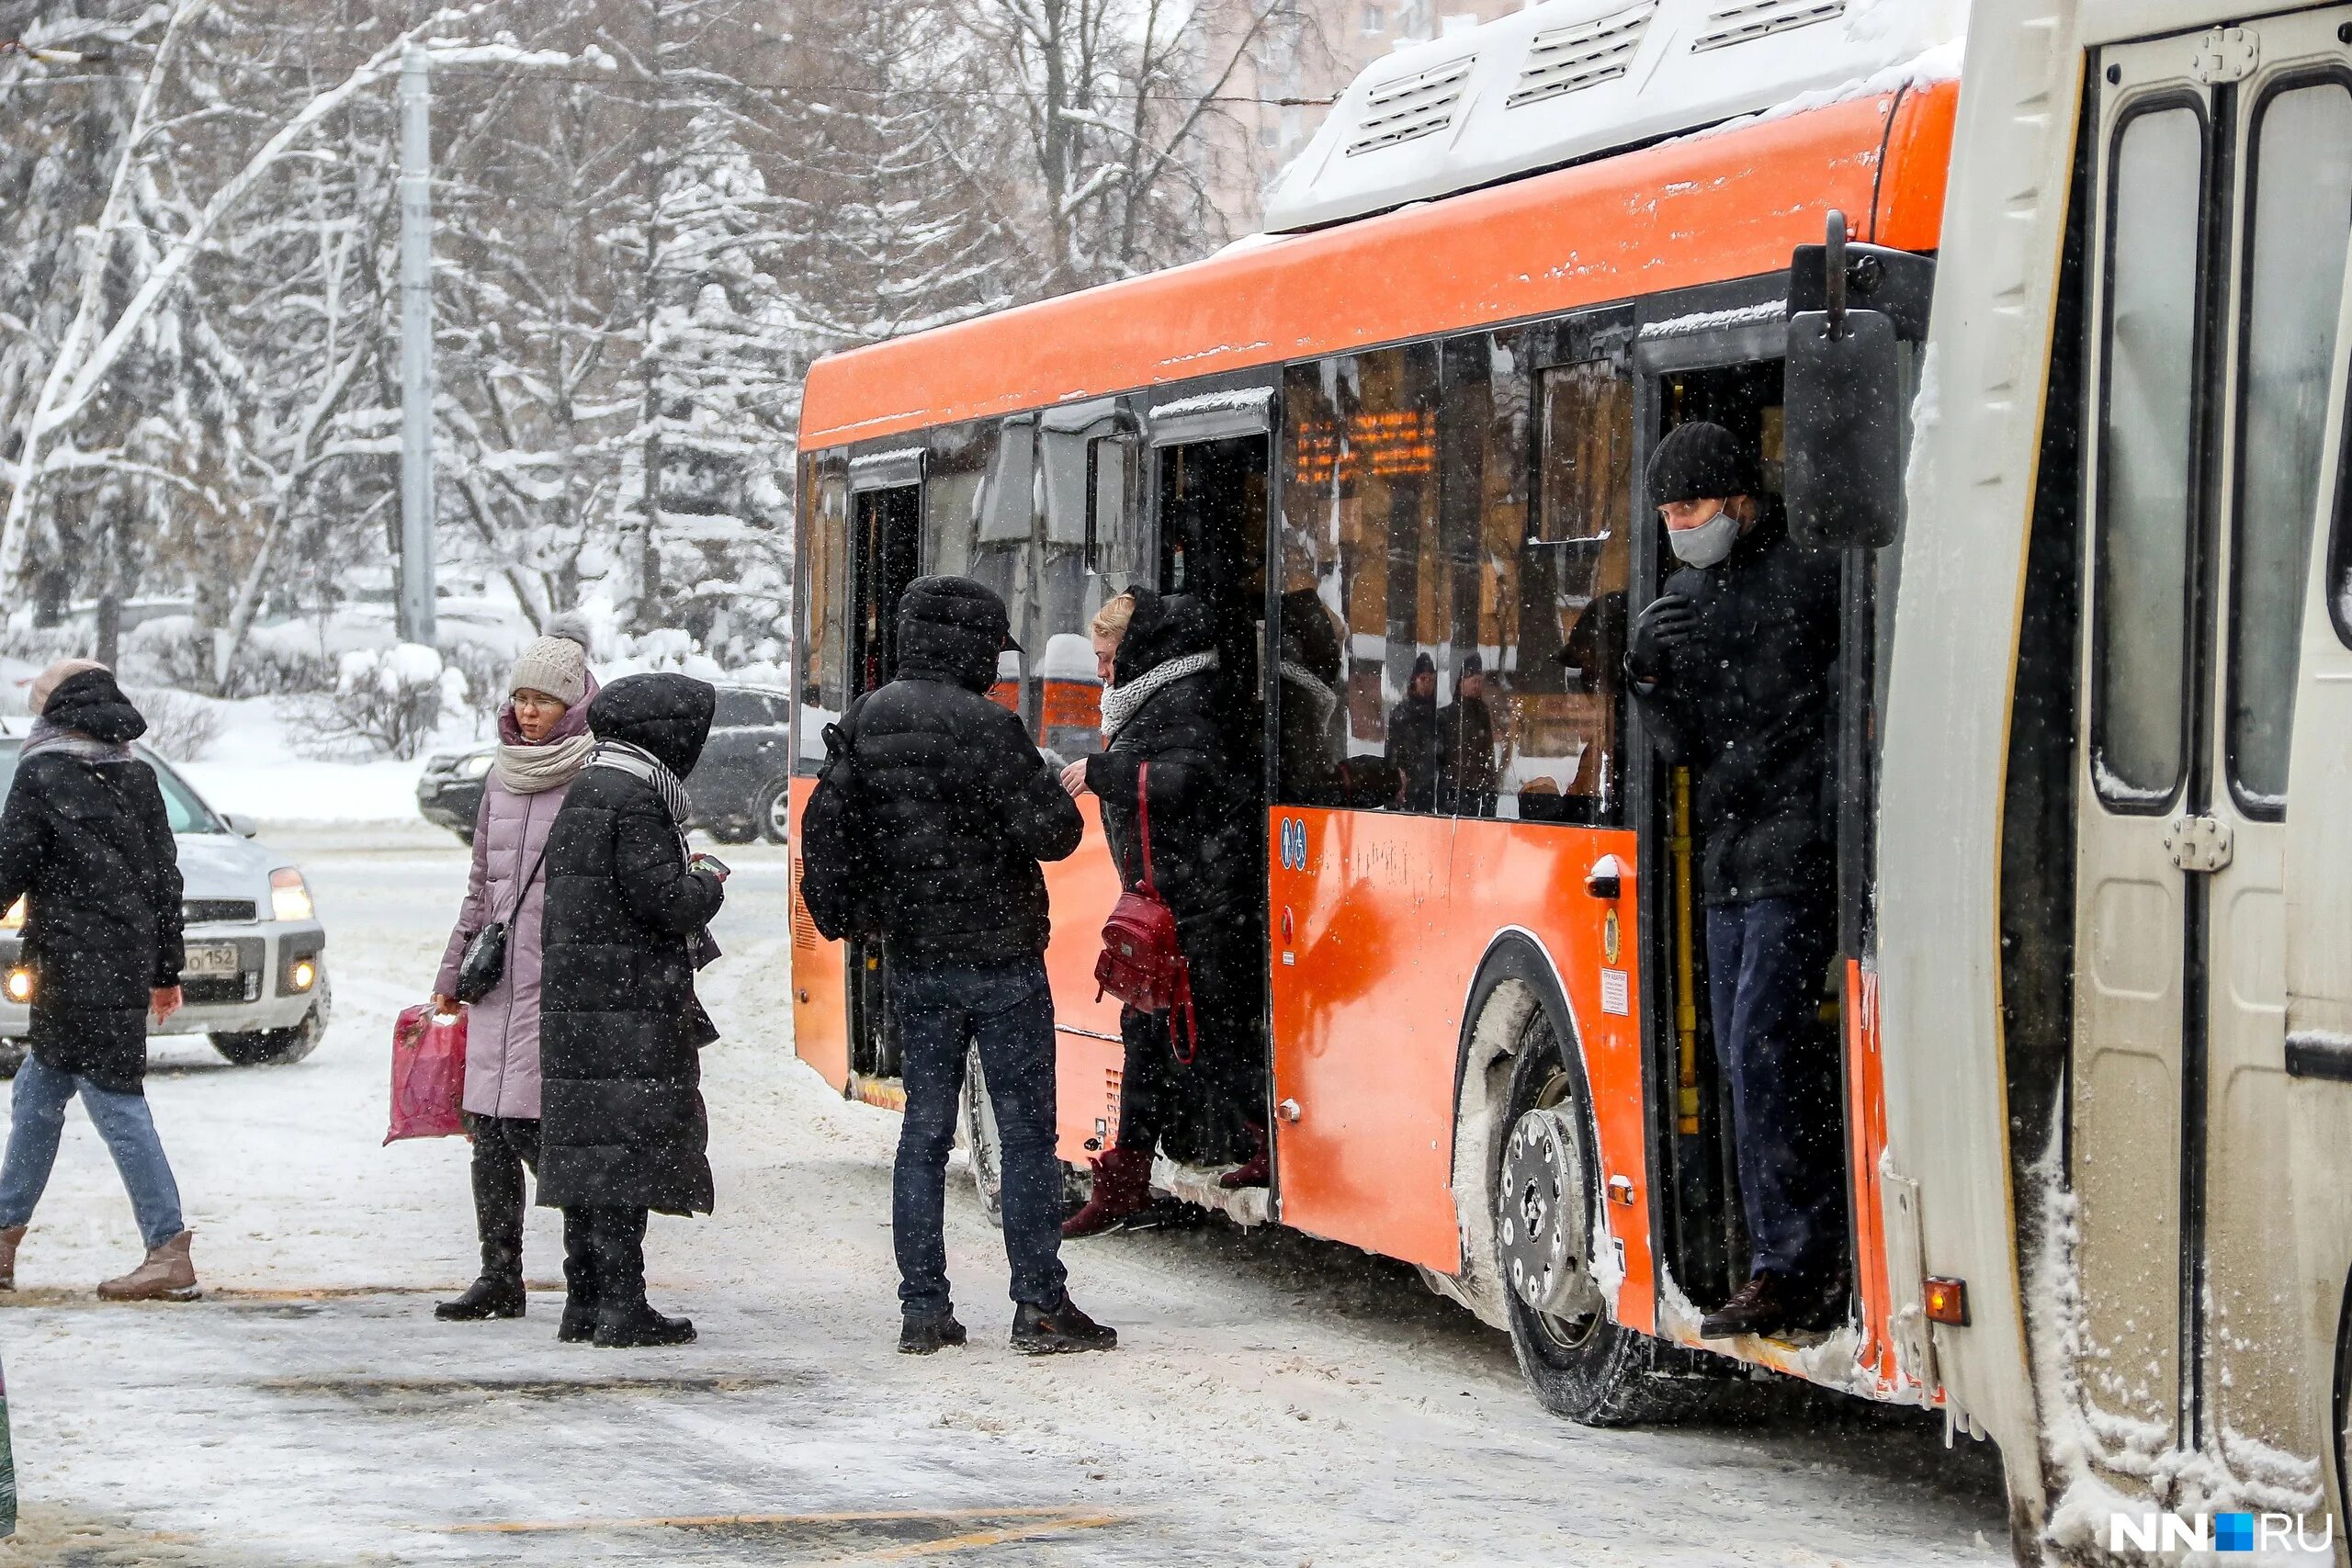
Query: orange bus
x=2094, y=990
x=1424, y=424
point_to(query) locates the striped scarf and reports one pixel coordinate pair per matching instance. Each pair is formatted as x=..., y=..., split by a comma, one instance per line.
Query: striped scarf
x=622, y=757
x=49, y=736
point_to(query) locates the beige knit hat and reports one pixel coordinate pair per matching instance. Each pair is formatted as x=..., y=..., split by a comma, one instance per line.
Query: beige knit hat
x=556, y=665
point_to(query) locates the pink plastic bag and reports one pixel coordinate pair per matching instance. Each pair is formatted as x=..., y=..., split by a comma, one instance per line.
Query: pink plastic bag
x=428, y=1075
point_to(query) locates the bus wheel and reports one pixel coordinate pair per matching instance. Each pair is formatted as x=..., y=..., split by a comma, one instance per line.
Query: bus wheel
x=976, y=1129
x=1578, y=1364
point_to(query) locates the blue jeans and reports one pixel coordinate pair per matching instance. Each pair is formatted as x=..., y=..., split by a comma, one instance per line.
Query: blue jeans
x=1765, y=959
x=37, y=1119
x=1006, y=1011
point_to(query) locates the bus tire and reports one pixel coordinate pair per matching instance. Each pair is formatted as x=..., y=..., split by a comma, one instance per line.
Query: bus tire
x=976, y=1131
x=1578, y=1364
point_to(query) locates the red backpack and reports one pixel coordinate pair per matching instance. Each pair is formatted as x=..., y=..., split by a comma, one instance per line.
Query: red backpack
x=1141, y=963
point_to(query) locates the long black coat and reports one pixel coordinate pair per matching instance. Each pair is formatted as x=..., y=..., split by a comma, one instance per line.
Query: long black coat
x=1417, y=749
x=960, y=804
x=88, y=845
x=621, y=1113
x=1745, y=703
x=1204, y=822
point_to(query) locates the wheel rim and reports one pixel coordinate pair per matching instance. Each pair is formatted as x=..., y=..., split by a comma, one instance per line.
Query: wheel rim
x=1544, y=1228
x=779, y=814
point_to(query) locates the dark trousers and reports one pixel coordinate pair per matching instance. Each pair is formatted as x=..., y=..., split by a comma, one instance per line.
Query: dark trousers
x=604, y=1260
x=1766, y=960
x=1203, y=1113
x=503, y=1147
x=1006, y=1010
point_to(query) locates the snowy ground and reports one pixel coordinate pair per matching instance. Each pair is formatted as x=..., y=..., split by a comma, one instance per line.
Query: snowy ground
x=1275, y=1401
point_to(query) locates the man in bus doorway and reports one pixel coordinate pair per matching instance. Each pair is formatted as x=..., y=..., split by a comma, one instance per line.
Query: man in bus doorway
x=1732, y=666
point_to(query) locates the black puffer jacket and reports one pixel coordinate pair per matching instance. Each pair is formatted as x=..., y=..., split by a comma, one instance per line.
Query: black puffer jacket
x=87, y=844
x=960, y=804
x=1204, y=824
x=1745, y=703
x=621, y=1112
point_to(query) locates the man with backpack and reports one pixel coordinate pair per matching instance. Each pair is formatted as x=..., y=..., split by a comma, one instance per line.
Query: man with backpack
x=925, y=835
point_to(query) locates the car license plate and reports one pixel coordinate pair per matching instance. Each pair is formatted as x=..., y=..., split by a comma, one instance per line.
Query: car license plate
x=210, y=961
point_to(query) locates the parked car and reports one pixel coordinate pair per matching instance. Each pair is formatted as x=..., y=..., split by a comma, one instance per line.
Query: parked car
x=256, y=980
x=740, y=790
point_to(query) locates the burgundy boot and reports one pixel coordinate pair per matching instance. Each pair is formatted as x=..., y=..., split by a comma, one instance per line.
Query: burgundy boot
x=1122, y=1187
x=1255, y=1171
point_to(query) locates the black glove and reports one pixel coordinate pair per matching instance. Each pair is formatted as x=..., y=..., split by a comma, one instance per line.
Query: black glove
x=1666, y=624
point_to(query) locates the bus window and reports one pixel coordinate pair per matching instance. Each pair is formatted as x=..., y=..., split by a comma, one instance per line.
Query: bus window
x=823, y=664
x=1561, y=622
x=960, y=455
x=2301, y=218
x=2140, y=668
x=1361, y=535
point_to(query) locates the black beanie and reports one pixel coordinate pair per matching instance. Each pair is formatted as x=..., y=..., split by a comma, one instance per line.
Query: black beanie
x=1700, y=461
x=1424, y=665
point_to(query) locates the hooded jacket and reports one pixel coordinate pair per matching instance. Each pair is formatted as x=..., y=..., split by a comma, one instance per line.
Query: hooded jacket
x=1745, y=703
x=961, y=805
x=1202, y=817
x=621, y=1112
x=87, y=844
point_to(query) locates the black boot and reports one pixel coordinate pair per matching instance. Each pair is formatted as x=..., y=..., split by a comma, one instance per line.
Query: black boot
x=639, y=1327
x=485, y=1298
x=498, y=1219
x=623, y=1320
x=579, y=1324
x=922, y=1334
x=1039, y=1331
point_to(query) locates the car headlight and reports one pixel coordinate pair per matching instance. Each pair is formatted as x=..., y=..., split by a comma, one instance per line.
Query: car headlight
x=289, y=896
x=476, y=767
x=20, y=983
x=14, y=919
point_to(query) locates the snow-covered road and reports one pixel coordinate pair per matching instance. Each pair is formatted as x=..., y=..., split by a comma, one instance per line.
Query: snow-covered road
x=1275, y=1400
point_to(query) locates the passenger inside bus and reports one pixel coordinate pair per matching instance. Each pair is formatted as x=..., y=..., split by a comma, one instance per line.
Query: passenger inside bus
x=1732, y=666
x=1415, y=750
x=1466, y=746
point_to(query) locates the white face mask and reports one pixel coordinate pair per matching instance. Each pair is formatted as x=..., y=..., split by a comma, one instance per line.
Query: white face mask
x=1707, y=544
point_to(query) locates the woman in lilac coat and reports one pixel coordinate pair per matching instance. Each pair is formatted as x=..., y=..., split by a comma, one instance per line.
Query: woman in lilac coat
x=543, y=741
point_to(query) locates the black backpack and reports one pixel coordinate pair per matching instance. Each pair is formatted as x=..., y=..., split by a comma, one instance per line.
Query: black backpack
x=836, y=878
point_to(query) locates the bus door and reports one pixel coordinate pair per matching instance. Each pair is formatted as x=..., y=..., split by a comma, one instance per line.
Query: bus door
x=1732, y=379
x=884, y=555
x=2221, y=200
x=1366, y=1032
x=2319, y=966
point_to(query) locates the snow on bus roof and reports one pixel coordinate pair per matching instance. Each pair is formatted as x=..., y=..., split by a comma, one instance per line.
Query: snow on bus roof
x=1565, y=80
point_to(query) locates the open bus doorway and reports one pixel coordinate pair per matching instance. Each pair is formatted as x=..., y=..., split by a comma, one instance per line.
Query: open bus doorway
x=885, y=555
x=1708, y=1245
x=1211, y=502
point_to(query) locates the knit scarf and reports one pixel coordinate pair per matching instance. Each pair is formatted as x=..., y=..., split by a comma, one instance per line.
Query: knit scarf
x=529, y=767
x=49, y=736
x=1121, y=704
x=1311, y=687
x=622, y=757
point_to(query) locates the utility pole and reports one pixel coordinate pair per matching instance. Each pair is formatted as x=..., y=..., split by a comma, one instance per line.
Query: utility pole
x=416, y=347
x=657, y=164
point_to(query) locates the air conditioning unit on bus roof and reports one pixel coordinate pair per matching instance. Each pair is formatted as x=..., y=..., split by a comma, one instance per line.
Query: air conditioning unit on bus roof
x=1566, y=78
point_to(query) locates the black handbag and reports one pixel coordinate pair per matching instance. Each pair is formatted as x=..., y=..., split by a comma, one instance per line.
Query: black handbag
x=485, y=963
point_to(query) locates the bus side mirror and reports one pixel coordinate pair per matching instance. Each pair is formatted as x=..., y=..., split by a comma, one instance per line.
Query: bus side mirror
x=1842, y=430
